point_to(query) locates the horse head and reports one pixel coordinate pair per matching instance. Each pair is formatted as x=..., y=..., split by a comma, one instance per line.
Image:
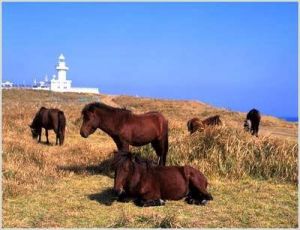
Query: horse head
x=123, y=164
x=90, y=121
x=34, y=132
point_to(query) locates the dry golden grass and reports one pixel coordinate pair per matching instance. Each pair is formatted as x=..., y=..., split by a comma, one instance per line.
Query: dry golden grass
x=69, y=186
x=28, y=165
x=231, y=153
x=87, y=201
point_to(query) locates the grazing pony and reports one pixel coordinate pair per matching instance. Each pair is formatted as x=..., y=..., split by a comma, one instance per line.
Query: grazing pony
x=127, y=128
x=251, y=124
x=49, y=119
x=152, y=184
x=195, y=124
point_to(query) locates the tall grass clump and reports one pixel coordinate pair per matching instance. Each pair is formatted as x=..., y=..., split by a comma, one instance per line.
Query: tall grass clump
x=233, y=153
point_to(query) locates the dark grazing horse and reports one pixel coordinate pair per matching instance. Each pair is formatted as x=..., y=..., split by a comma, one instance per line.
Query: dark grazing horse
x=49, y=119
x=152, y=185
x=251, y=124
x=127, y=128
x=195, y=124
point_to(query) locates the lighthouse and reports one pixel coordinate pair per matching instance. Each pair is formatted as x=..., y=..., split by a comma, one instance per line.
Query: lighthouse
x=61, y=83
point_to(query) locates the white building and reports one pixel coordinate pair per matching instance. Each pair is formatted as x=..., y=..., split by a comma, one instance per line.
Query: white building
x=7, y=84
x=61, y=84
x=42, y=85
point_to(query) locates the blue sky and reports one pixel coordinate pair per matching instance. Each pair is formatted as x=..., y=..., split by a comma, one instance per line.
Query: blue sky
x=232, y=55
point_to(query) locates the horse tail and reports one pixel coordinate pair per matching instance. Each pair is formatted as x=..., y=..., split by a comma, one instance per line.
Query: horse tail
x=61, y=127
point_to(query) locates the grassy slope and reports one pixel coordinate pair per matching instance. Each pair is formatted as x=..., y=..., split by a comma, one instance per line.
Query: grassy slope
x=69, y=186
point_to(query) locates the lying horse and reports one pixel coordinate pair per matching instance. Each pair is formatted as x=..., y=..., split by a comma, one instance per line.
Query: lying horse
x=126, y=128
x=251, y=124
x=49, y=119
x=151, y=184
x=195, y=124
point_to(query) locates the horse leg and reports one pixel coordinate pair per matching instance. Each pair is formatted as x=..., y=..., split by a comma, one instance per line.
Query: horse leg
x=124, y=198
x=61, y=137
x=196, y=197
x=47, y=140
x=149, y=194
x=161, y=149
x=40, y=135
x=196, y=201
x=56, y=142
x=161, y=146
x=148, y=203
x=200, y=193
x=197, y=186
x=165, y=144
x=121, y=145
x=164, y=152
x=158, y=149
x=256, y=130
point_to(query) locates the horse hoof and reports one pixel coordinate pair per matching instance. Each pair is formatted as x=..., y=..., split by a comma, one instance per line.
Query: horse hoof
x=204, y=202
x=139, y=203
x=162, y=202
x=197, y=202
x=189, y=200
x=123, y=200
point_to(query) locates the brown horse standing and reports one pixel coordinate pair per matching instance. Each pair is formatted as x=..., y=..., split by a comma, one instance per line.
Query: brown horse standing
x=151, y=185
x=195, y=124
x=49, y=119
x=126, y=128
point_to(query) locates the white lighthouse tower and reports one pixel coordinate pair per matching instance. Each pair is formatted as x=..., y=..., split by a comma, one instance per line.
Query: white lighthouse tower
x=61, y=83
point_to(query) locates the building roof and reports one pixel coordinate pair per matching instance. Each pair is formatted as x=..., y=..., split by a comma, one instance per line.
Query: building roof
x=61, y=57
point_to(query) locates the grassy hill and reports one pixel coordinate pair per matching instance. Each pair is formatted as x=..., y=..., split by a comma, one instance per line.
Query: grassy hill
x=253, y=180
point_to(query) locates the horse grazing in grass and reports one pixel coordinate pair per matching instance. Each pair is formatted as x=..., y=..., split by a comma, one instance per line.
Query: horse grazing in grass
x=251, y=124
x=152, y=184
x=126, y=128
x=195, y=124
x=49, y=119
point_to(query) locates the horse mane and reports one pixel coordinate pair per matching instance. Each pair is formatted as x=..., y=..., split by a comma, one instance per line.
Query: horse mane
x=143, y=161
x=98, y=105
x=37, y=117
x=121, y=157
